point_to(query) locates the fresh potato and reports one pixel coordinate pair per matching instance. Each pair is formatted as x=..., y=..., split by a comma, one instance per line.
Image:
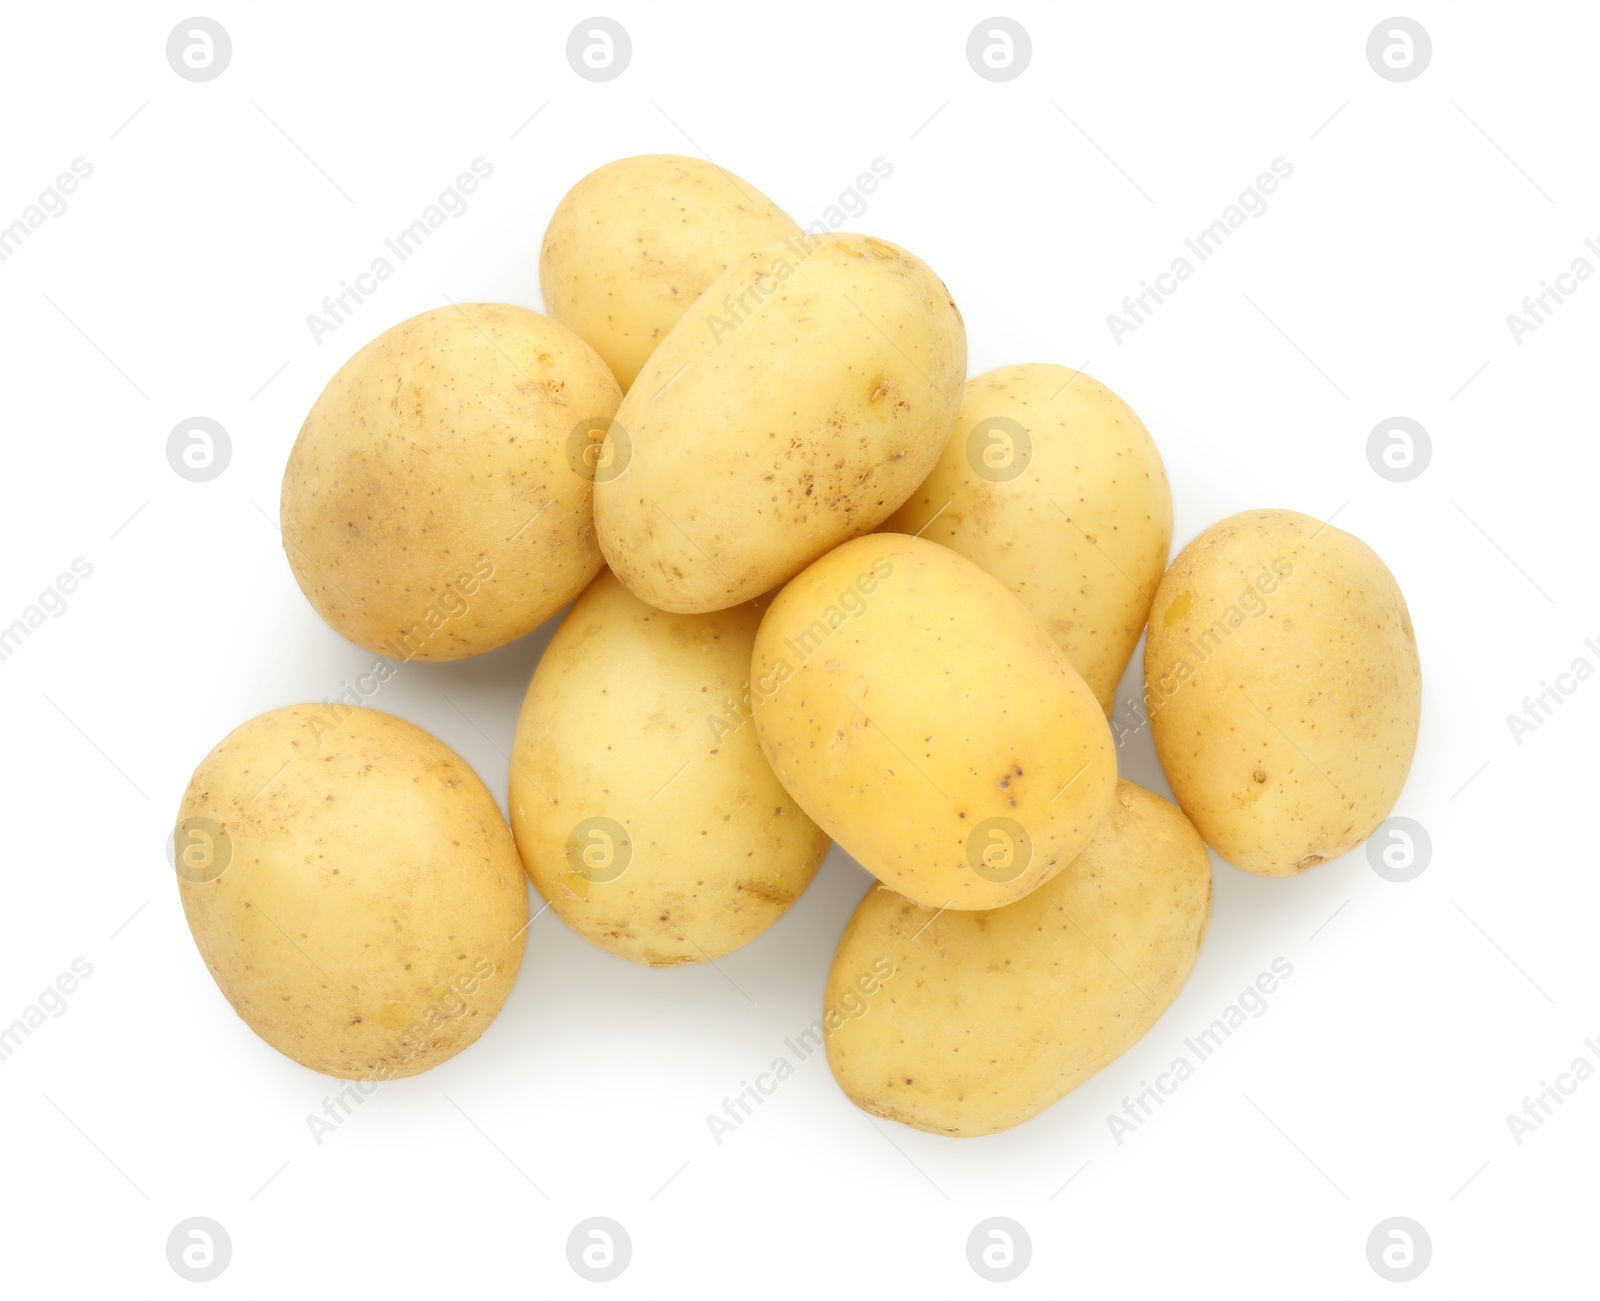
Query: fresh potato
x=795, y=405
x=438, y=501
x=1052, y=484
x=642, y=806
x=972, y=1022
x=352, y=888
x=635, y=242
x=919, y=713
x=1284, y=689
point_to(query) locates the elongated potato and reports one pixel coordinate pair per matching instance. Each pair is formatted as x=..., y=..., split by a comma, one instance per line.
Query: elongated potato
x=1053, y=485
x=795, y=405
x=928, y=724
x=437, y=502
x=635, y=242
x=642, y=806
x=971, y=1022
x=1284, y=689
x=352, y=888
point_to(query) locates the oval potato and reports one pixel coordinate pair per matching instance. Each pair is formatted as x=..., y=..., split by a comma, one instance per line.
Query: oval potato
x=438, y=500
x=635, y=242
x=971, y=1022
x=1284, y=689
x=928, y=724
x=1053, y=485
x=352, y=889
x=795, y=405
x=641, y=803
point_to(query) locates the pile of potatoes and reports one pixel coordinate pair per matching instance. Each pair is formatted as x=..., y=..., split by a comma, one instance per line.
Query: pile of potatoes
x=823, y=587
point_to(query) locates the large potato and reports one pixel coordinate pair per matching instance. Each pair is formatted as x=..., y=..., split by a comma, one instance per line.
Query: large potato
x=352, y=888
x=971, y=1022
x=438, y=501
x=642, y=806
x=795, y=405
x=1052, y=484
x=1284, y=689
x=919, y=713
x=635, y=242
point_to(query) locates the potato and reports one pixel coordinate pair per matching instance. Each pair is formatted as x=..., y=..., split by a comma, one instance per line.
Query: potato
x=1052, y=484
x=919, y=713
x=352, y=888
x=972, y=1022
x=635, y=242
x=1284, y=689
x=641, y=804
x=437, y=502
x=795, y=405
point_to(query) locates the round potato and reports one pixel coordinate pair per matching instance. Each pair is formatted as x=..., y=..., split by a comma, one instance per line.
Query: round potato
x=1052, y=484
x=352, y=888
x=795, y=405
x=438, y=501
x=635, y=242
x=971, y=1022
x=919, y=713
x=642, y=806
x=1284, y=689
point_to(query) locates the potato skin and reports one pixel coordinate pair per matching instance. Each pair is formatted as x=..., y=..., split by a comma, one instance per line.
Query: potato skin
x=989, y=1017
x=369, y=923
x=431, y=506
x=1077, y=521
x=639, y=716
x=635, y=242
x=928, y=724
x=796, y=404
x=1284, y=689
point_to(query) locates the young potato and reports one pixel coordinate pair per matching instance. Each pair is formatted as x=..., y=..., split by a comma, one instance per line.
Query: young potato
x=635, y=242
x=795, y=405
x=971, y=1022
x=642, y=806
x=438, y=501
x=352, y=888
x=919, y=713
x=1284, y=689
x=1052, y=484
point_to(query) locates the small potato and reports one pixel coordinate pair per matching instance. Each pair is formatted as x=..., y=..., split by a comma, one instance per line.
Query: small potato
x=636, y=241
x=1284, y=689
x=438, y=501
x=642, y=806
x=971, y=1022
x=795, y=405
x=919, y=713
x=352, y=888
x=1052, y=484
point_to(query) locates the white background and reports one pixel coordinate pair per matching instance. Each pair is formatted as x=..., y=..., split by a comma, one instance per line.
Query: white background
x=1418, y=1015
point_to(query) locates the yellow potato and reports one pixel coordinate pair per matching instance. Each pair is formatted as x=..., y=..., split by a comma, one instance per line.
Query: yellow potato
x=635, y=242
x=1052, y=484
x=919, y=713
x=642, y=806
x=438, y=501
x=795, y=405
x=352, y=888
x=971, y=1022
x=1284, y=689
